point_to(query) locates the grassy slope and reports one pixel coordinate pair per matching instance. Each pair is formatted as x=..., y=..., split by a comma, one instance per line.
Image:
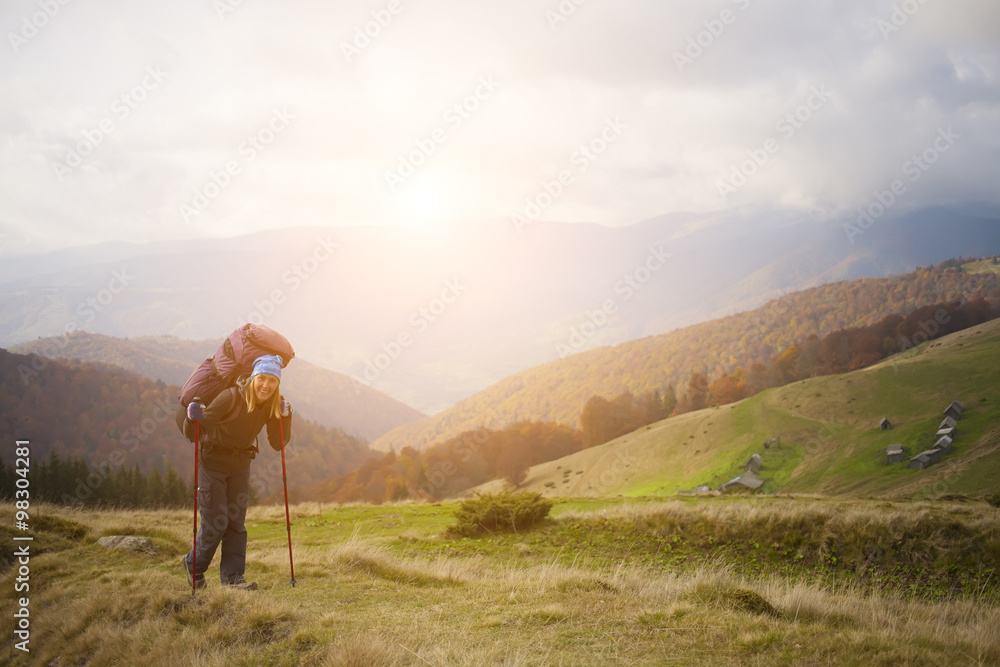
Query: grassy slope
x=831, y=443
x=983, y=266
x=605, y=582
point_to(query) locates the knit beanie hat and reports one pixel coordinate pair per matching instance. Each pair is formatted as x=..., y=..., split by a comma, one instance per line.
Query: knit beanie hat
x=267, y=364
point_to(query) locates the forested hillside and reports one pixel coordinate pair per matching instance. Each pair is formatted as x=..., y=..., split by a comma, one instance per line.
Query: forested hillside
x=327, y=397
x=831, y=442
x=558, y=391
x=112, y=417
x=473, y=457
x=73, y=481
x=838, y=352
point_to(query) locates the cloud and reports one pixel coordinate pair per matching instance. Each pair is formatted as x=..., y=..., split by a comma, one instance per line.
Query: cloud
x=700, y=85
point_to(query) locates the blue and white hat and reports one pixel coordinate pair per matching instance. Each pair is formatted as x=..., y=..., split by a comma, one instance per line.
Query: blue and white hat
x=268, y=364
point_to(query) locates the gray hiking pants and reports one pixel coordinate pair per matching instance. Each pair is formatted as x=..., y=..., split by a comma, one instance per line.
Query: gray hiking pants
x=222, y=504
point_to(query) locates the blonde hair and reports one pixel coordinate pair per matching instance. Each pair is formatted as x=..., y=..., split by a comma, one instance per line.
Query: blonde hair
x=250, y=396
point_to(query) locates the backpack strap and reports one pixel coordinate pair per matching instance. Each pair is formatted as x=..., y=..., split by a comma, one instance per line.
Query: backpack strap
x=234, y=406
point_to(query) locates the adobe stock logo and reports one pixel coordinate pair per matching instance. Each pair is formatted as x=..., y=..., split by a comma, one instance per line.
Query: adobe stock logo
x=702, y=41
x=88, y=311
x=915, y=168
x=456, y=115
x=250, y=148
x=900, y=16
x=626, y=288
x=31, y=25
x=296, y=275
x=420, y=320
x=787, y=126
x=365, y=34
x=121, y=109
x=550, y=190
x=562, y=13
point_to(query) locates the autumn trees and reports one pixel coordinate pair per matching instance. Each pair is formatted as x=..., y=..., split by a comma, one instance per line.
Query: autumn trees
x=602, y=420
x=839, y=351
x=455, y=465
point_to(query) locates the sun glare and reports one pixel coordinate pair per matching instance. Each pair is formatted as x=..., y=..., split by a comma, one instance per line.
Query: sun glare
x=426, y=203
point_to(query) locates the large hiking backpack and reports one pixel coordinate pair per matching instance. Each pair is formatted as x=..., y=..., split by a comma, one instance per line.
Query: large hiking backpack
x=234, y=359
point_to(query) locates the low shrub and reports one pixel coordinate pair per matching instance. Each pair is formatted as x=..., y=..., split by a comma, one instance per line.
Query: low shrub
x=729, y=597
x=71, y=530
x=503, y=511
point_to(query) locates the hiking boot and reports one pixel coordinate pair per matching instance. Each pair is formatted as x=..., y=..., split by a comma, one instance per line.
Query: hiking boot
x=200, y=578
x=242, y=584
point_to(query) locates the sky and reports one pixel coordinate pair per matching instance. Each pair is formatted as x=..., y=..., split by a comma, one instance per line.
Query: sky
x=150, y=121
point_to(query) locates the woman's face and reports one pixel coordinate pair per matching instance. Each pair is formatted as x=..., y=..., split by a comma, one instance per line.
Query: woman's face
x=264, y=386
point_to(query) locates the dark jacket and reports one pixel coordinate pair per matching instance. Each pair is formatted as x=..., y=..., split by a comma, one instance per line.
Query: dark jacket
x=229, y=446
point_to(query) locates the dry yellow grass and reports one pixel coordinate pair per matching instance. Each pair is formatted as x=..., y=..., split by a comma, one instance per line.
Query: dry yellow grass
x=360, y=602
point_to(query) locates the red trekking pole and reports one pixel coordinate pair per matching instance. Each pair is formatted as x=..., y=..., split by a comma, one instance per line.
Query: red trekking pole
x=284, y=480
x=194, y=540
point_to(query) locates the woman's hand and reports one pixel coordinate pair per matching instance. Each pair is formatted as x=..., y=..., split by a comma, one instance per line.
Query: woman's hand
x=195, y=410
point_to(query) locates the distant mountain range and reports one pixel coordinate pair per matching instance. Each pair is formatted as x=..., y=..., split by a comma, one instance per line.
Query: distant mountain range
x=432, y=317
x=557, y=391
x=326, y=397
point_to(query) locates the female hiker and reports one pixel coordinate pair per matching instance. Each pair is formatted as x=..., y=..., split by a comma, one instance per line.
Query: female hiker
x=229, y=427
